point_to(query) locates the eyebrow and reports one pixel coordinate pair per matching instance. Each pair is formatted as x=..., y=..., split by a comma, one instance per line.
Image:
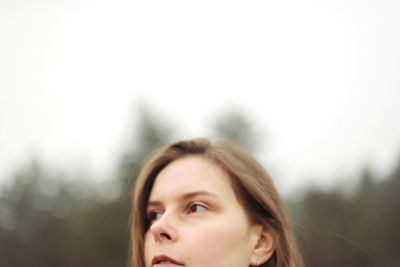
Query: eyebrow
x=186, y=196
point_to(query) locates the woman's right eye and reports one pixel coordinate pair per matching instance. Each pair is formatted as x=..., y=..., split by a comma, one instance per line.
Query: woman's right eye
x=154, y=215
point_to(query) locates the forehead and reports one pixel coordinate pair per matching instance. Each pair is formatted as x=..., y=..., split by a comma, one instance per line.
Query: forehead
x=191, y=173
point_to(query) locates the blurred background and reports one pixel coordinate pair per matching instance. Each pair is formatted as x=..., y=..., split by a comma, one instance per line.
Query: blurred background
x=89, y=88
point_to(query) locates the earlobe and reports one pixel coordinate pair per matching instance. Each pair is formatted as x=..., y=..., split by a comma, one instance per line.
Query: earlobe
x=264, y=248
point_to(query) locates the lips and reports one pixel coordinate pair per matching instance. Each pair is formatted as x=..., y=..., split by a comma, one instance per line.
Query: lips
x=165, y=261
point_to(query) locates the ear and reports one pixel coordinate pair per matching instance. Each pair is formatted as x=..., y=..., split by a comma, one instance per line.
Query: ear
x=264, y=246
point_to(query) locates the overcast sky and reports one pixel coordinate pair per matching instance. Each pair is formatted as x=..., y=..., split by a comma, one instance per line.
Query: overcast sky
x=320, y=78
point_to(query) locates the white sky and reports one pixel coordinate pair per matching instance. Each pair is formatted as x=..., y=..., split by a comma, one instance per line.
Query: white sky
x=321, y=78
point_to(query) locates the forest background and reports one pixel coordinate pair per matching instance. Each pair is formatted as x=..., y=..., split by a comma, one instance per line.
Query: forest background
x=311, y=88
x=48, y=218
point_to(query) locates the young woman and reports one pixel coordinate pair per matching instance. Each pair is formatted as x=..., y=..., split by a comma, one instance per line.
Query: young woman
x=198, y=204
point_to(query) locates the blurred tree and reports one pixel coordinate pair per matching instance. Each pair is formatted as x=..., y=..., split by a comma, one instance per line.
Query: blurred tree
x=357, y=230
x=29, y=207
x=149, y=133
x=45, y=221
x=233, y=125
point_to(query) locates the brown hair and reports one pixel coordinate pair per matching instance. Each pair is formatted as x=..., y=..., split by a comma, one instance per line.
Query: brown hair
x=251, y=183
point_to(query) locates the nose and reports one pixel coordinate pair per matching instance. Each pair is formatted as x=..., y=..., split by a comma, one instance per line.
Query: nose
x=163, y=229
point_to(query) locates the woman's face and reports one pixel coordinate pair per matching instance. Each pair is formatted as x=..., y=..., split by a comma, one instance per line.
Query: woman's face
x=196, y=220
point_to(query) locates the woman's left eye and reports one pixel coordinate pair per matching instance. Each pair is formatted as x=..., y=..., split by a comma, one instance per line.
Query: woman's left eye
x=197, y=207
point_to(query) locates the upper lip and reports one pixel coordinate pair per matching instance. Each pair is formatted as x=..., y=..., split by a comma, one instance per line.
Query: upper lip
x=159, y=258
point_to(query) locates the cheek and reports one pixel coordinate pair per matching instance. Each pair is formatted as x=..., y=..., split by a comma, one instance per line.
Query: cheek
x=148, y=248
x=221, y=244
x=218, y=234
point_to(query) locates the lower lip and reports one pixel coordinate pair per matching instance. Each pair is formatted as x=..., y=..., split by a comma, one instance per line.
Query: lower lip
x=166, y=265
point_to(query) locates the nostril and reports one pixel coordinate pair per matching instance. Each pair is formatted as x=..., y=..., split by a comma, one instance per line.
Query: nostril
x=166, y=236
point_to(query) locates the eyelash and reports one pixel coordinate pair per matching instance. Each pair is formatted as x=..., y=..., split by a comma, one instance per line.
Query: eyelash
x=152, y=215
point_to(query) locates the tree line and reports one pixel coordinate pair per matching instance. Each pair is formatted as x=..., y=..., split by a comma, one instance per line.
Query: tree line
x=49, y=219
